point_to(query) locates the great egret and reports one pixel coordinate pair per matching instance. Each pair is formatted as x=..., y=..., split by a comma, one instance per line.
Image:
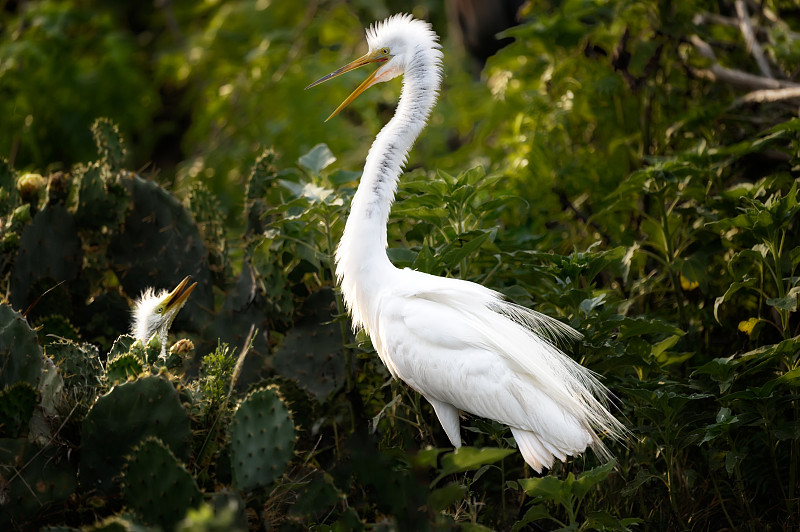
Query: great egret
x=459, y=344
x=154, y=312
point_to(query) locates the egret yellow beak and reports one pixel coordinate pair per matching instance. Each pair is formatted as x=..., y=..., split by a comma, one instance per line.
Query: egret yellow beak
x=178, y=297
x=378, y=56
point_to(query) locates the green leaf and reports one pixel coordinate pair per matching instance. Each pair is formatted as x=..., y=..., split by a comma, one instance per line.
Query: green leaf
x=632, y=327
x=787, y=302
x=549, y=488
x=659, y=348
x=441, y=498
x=746, y=282
x=642, y=477
x=537, y=512
x=589, y=479
x=469, y=458
x=588, y=305
x=316, y=160
x=338, y=178
x=467, y=243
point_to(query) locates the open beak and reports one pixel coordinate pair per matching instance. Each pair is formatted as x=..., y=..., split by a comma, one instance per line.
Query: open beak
x=373, y=57
x=178, y=297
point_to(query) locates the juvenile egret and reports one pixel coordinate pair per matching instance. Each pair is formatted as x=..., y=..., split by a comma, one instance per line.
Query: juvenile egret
x=154, y=312
x=459, y=344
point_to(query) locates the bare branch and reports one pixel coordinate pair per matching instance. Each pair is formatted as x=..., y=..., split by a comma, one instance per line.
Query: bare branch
x=731, y=76
x=768, y=95
x=753, y=46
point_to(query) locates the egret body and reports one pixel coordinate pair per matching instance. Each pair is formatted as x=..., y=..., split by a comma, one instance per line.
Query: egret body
x=153, y=312
x=459, y=344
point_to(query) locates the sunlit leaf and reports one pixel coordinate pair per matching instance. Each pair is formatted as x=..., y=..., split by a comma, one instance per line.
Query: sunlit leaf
x=316, y=160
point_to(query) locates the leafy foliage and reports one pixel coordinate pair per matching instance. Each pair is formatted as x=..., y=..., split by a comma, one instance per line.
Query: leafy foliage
x=604, y=168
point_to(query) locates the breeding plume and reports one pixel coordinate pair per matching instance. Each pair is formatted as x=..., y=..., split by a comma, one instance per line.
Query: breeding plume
x=457, y=343
x=154, y=312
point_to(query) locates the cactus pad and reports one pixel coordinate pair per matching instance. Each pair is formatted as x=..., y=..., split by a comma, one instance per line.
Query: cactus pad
x=110, y=144
x=43, y=471
x=49, y=248
x=79, y=363
x=123, y=345
x=157, y=486
x=158, y=246
x=123, y=367
x=16, y=408
x=55, y=328
x=9, y=198
x=149, y=406
x=311, y=352
x=262, y=439
x=20, y=354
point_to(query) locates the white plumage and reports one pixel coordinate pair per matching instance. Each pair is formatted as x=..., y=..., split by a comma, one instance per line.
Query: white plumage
x=154, y=313
x=457, y=343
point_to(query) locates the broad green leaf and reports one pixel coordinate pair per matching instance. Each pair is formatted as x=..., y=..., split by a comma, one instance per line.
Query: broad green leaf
x=316, y=160
x=469, y=458
x=589, y=479
x=547, y=487
x=642, y=477
x=458, y=250
x=746, y=282
x=317, y=194
x=787, y=302
x=537, y=512
x=659, y=348
x=632, y=327
x=588, y=305
x=441, y=498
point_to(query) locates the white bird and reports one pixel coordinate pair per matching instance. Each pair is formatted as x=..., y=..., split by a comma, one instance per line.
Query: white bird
x=153, y=312
x=459, y=344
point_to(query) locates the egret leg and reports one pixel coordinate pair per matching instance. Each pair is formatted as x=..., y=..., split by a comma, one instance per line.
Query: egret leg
x=448, y=417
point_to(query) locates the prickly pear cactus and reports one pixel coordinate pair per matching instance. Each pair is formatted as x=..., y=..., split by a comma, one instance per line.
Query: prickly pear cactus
x=58, y=186
x=16, y=408
x=123, y=367
x=102, y=200
x=129, y=412
x=109, y=142
x=207, y=212
x=122, y=345
x=299, y=400
x=274, y=283
x=20, y=354
x=49, y=249
x=45, y=479
x=9, y=198
x=262, y=439
x=261, y=177
x=79, y=363
x=158, y=246
x=311, y=352
x=157, y=485
x=55, y=328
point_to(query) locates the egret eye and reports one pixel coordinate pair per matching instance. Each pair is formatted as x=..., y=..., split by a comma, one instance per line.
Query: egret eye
x=159, y=310
x=385, y=51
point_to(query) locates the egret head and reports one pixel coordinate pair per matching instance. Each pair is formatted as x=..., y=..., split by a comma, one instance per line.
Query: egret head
x=393, y=44
x=154, y=312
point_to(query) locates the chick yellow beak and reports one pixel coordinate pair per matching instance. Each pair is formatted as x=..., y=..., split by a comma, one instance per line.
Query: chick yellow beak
x=378, y=56
x=179, y=295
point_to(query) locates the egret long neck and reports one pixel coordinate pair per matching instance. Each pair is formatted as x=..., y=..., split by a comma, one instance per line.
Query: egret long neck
x=361, y=258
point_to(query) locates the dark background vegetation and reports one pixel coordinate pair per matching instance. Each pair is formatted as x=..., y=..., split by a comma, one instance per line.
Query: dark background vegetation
x=629, y=167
